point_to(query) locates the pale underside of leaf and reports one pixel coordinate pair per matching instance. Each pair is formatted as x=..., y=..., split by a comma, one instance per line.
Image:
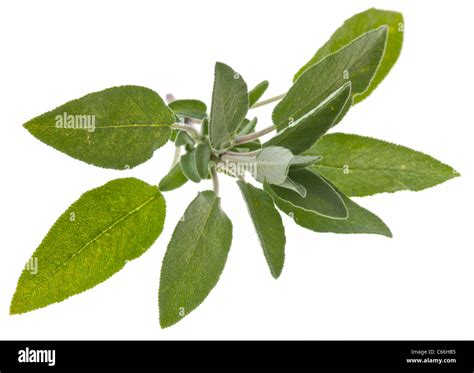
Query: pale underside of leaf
x=307, y=130
x=272, y=164
x=301, y=161
x=321, y=197
x=356, y=26
x=357, y=62
x=289, y=183
x=360, y=220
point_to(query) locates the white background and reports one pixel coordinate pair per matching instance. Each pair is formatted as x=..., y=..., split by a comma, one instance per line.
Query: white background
x=417, y=285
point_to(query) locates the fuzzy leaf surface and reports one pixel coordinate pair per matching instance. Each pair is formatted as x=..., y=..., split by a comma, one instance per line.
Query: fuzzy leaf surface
x=130, y=123
x=311, y=127
x=93, y=239
x=357, y=62
x=268, y=224
x=358, y=25
x=230, y=103
x=195, y=258
x=321, y=197
x=362, y=166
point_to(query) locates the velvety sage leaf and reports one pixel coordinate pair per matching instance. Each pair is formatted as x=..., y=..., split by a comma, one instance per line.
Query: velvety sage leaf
x=174, y=179
x=205, y=127
x=355, y=27
x=247, y=126
x=116, y=128
x=311, y=127
x=257, y=92
x=248, y=146
x=189, y=108
x=345, y=109
x=321, y=197
x=189, y=167
x=203, y=156
x=272, y=164
x=268, y=224
x=302, y=161
x=230, y=103
x=289, y=183
x=357, y=62
x=195, y=258
x=362, y=166
x=360, y=220
x=182, y=138
x=93, y=239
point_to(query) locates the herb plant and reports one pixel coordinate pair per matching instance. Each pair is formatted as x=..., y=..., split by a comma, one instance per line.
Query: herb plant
x=304, y=172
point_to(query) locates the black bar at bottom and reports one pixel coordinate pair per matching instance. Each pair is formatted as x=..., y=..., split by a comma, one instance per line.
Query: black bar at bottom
x=381, y=356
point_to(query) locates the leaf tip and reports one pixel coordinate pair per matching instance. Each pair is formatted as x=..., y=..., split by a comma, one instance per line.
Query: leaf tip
x=276, y=273
x=17, y=307
x=165, y=323
x=388, y=233
x=27, y=126
x=167, y=318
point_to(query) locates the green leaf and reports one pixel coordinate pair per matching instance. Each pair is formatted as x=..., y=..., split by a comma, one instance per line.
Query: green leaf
x=289, y=183
x=257, y=92
x=205, y=127
x=173, y=180
x=248, y=146
x=116, y=128
x=230, y=103
x=189, y=108
x=182, y=138
x=272, y=164
x=189, y=167
x=302, y=161
x=268, y=224
x=360, y=220
x=311, y=127
x=362, y=166
x=202, y=157
x=344, y=110
x=357, y=62
x=93, y=239
x=321, y=197
x=247, y=126
x=355, y=27
x=195, y=258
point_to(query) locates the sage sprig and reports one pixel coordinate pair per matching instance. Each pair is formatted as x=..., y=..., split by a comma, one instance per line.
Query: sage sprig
x=302, y=170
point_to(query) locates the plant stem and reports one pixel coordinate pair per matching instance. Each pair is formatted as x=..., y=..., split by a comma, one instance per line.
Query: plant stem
x=246, y=154
x=236, y=158
x=215, y=181
x=253, y=136
x=188, y=128
x=268, y=101
x=177, y=154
